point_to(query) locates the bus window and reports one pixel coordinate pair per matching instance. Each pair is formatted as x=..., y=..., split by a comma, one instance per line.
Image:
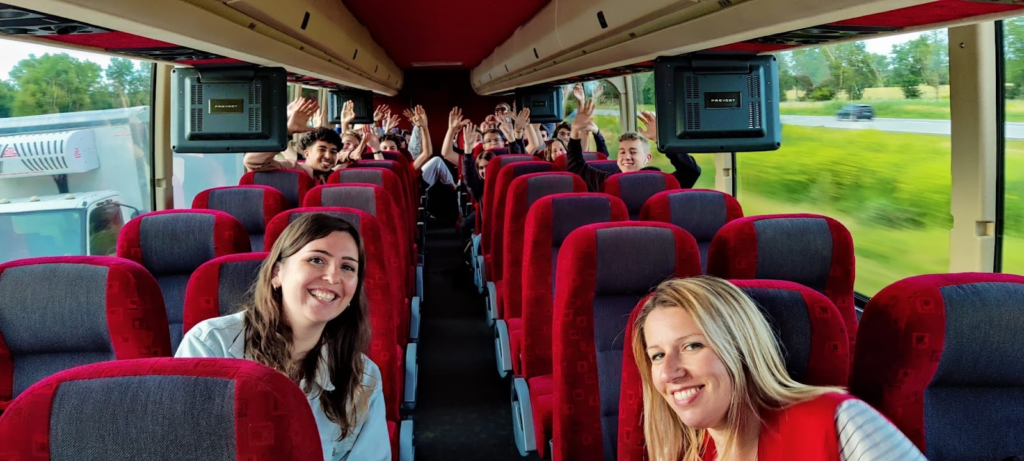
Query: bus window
x=1013, y=166
x=866, y=140
x=607, y=116
x=643, y=88
x=75, y=133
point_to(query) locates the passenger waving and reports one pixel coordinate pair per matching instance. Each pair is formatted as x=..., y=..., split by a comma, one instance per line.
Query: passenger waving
x=308, y=319
x=715, y=387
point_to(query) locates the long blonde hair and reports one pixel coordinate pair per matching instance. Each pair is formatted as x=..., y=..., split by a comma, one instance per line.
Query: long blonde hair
x=738, y=333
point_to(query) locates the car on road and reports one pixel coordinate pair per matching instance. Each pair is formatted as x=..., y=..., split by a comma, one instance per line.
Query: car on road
x=856, y=112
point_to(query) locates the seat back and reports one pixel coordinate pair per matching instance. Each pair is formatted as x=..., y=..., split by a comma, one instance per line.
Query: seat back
x=221, y=286
x=812, y=338
x=938, y=355
x=383, y=293
x=523, y=193
x=496, y=213
x=550, y=220
x=57, y=313
x=494, y=168
x=700, y=212
x=405, y=176
x=197, y=409
x=172, y=244
x=294, y=184
x=636, y=187
x=559, y=164
x=608, y=166
x=597, y=289
x=385, y=178
x=253, y=206
x=372, y=199
x=812, y=250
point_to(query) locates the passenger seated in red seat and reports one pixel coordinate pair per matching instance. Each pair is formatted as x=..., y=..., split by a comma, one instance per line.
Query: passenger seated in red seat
x=308, y=319
x=715, y=383
x=634, y=152
x=320, y=146
x=553, y=149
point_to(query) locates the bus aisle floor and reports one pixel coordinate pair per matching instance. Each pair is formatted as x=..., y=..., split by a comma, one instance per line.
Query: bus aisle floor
x=463, y=408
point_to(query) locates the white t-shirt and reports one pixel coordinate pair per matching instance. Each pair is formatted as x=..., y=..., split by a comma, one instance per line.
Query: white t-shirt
x=224, y=337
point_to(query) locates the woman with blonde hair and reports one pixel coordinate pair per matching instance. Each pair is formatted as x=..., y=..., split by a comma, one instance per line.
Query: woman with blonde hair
x=716, y=388
x=308, y=318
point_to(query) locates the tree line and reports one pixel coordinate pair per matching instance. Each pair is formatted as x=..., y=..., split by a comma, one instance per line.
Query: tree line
x=58, y=83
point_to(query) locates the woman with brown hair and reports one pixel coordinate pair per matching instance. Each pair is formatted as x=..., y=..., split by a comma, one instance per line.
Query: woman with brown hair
x=715, y=387
x=308, y=318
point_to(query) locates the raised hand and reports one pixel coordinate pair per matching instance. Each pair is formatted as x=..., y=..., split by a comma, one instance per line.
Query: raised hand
x=579, y=93
x=410, y=115
x=320, y=118
x=299, y=113
x=455, y=118
x=651, y=123
x=390, y=122
x=598, y=92
x=584, y=117
x=371, y=138
x=522, y=120
x=469, y=136
x=378, y=113
x=506, y=128
x=421, y=117
x=348, y=114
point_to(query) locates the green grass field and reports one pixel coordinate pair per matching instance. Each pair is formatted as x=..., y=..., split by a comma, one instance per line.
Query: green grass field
x=929, y=109
x=891, y=190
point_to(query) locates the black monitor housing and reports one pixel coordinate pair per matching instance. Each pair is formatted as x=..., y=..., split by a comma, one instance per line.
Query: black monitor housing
x=362, y=102
x=717, y=103
x=545, y=103
x=229, y=110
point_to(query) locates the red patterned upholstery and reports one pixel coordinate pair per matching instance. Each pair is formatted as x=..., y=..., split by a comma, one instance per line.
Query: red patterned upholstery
x=636, y=187
x=205, y=287
x=548, y=222
x=135, y=315
x=813, y=250
x=294, y=184
x=701, y=212
x=494, y=167
x=253, y=206
x=172, y=244
x=496, y=213
x=593, y=275
x=385, y=178
x=271, y=414
x=524, y=192
x=938, y=354
x=559, y=164
x=404, y=173
x=826, y=362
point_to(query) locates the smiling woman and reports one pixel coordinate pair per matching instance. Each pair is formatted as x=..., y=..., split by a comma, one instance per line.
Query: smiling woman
x=714, y=381
x=308, y=319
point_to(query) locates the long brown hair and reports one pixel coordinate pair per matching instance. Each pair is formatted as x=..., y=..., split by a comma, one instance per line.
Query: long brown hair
x=739, y=334
x=268, y=337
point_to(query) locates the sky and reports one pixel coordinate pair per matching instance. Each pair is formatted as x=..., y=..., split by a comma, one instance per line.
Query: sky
x=14, y=51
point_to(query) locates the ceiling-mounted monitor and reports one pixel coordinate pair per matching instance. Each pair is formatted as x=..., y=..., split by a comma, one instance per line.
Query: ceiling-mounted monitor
x=544, y=102
x=229, y=110
x=362, y=103
x=717, y=103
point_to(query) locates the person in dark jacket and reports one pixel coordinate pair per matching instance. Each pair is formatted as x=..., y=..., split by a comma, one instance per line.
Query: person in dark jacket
x=634, y=152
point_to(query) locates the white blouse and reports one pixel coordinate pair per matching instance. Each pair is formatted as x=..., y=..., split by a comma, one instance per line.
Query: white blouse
x=223, y=337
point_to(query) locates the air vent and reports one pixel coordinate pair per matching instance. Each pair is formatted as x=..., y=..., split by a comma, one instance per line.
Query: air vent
x=197, y=95
x=196, y=124
x=755, y=114
x=822, y=34
x=17, y=21
x=255, y=94
x=177, y=54
x=754, y=86
x=692, y=116
x=255, y=120
x=692, y=87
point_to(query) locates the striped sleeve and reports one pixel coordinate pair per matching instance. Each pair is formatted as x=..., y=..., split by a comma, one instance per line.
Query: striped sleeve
x=865, y=435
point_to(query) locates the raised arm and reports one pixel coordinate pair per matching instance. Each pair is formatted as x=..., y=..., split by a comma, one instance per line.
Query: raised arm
x=299, y=113
x=418, y=118
x=574, y=161
x=687, y=170
x=447, y=148
x=533, y=134
x=416, y=141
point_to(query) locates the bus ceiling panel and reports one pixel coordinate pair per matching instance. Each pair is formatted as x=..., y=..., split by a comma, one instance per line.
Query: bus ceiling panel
x=449, y=33
x=17, y=21
x=198, y=32
x=328, y=26
x=756, y=26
